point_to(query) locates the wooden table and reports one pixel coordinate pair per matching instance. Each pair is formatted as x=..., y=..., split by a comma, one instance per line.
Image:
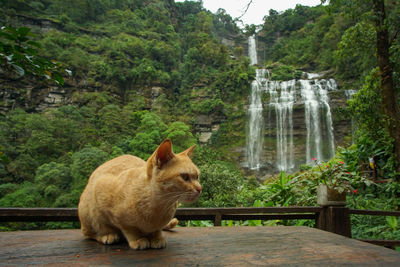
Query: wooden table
x=212, y=246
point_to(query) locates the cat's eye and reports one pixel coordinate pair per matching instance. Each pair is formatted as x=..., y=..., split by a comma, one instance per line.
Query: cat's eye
x=185, y=177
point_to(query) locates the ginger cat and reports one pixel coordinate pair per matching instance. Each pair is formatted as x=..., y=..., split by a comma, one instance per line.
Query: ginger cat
x=137, y=199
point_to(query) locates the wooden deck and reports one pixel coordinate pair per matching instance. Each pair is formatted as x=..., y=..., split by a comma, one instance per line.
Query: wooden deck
x=212, y=246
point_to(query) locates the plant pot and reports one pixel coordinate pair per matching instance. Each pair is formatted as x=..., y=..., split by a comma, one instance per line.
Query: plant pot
x=327, y=196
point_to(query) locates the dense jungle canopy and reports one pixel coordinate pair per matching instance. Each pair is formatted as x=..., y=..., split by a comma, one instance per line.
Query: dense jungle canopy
x=134, y=72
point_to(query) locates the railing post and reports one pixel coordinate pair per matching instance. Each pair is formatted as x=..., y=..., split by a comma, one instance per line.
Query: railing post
x=217, y=219
x=335, y=219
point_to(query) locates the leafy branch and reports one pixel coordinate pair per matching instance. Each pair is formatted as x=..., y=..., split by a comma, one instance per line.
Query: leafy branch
x=19, y=56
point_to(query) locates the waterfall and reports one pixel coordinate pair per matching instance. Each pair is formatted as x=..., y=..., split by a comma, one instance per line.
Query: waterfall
x=311, y=108
x=322, y=86
x=316, y=102
x=256, y=121
x=283, y=96
x=252, y=50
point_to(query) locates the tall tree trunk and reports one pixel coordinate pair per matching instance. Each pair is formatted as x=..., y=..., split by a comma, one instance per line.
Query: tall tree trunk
x=389, y=97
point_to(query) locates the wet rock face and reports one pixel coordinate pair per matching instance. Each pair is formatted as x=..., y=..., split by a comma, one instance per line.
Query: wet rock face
x=31, y=96
x=206, y=126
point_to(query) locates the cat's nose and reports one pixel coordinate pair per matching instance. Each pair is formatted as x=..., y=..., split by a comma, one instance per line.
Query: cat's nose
x=198, y=189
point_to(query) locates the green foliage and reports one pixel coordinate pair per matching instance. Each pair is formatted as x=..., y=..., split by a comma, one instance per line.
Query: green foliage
x=336, y=174
x=7, y=189
x=25, y=196
x=149, y=136
x=294, y=36
x=23, y=167
x=19, y=55
x=209, y=106
x=371, y=137
x=353, y=58
x=113, y=124
x=180, y=135
x=53, y=174
x=377, y=197
x=221, y=184
x=84, y=163
x=120, y=50
x=152, y=131
x=284, y=73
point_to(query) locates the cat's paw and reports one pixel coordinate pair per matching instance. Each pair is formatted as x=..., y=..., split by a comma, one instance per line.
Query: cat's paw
x=159, y=242
x=139, y=244
x=171, y=224
x=109, y=239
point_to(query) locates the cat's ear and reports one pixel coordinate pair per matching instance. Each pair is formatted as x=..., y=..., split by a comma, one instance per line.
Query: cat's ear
x=189, y=152
x=164, y=153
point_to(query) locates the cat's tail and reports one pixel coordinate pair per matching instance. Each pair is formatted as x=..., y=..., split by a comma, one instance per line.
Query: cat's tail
x=172, y=223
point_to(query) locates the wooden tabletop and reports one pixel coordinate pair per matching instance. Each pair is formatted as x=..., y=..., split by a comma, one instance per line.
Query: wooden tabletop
x=211, y=246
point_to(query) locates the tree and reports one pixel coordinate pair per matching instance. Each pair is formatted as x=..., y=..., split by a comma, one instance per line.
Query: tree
x=149, y=136
x=353, y=56
x=389, y=96
x=19, y=56
x=180, y=135
x=84, y=163
x=221, y=185
x=384, y=17
x=51, y=180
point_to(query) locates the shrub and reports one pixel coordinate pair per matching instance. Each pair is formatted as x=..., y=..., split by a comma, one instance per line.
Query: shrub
x=84, y=163
x=221, y=185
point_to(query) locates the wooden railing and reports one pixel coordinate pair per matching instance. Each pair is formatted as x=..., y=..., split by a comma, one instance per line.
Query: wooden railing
x=335, y=219
x=386, y=243
x=184, y=214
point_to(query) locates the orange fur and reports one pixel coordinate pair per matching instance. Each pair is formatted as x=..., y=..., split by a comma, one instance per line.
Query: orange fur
x=137, y=199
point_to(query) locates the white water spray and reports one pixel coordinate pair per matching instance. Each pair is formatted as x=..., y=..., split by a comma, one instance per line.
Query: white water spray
x=316, y=102
x=313, y=92
x=282, y=97
x=256, y=119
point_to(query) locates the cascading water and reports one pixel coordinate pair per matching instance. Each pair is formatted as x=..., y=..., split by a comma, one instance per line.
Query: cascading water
x=315, y=96
x=256, y=120
x=322, y=88
x=252, y=50
x=283, y=96
x=349, y=93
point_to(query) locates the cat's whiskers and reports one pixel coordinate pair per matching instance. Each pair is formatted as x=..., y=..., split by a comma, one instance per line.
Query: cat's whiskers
x=179, y=194
x=172, y=195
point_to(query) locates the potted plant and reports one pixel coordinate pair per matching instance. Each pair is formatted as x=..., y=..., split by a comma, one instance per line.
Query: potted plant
x=335, y=181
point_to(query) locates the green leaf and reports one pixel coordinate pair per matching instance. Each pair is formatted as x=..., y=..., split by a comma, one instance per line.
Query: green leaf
x=23, y=31
x=257, y=203
x=269, y=204
x=8, y=36
x=392, y=222
x=33, y=43
x=58, y=78
x=283, y=179
x=19, y=70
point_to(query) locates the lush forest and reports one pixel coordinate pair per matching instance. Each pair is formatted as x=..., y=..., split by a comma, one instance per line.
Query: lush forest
x=136, y=72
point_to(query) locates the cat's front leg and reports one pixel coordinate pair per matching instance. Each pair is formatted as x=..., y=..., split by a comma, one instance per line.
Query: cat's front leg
x=157, y=240
x=136, y=239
